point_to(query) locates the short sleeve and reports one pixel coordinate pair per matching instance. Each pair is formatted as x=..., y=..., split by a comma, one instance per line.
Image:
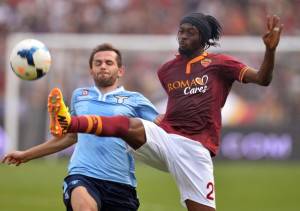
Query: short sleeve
x=72, y=106
x=145, y=109
x=233, y=69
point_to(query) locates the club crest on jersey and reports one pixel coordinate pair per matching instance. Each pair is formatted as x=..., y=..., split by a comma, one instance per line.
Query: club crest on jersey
x=85, y=92
x=120, y=99
x=205, y=62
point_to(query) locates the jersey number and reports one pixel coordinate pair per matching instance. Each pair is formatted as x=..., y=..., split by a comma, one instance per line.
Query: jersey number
x=210, y=187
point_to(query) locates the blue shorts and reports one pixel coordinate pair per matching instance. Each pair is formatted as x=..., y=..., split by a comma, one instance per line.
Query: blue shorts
x=110, y=196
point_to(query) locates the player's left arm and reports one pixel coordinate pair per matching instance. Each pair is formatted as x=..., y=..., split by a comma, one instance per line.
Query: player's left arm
x=271, y=39
x=145, y=109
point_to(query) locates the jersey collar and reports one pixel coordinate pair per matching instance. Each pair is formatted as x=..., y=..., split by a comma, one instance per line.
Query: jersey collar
x=194, y=60
x=103, y=96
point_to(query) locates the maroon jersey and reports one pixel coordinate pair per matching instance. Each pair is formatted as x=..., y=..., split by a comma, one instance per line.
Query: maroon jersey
x=197, y=90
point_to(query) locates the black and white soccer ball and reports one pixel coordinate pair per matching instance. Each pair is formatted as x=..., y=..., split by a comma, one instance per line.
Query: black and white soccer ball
x=30, y=59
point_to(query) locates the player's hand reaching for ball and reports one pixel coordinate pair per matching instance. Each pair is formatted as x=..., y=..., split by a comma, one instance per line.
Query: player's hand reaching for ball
x=272, y=36
x=14, y=158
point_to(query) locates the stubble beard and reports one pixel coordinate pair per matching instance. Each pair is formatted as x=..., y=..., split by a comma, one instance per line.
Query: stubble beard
x=105, y=82
x=186, y=52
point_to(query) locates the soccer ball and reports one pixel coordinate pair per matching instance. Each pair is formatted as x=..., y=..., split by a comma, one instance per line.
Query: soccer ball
x=30, y=59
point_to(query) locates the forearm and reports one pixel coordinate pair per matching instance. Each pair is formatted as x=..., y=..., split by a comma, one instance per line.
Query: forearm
x=49, y=147
x=264, y=75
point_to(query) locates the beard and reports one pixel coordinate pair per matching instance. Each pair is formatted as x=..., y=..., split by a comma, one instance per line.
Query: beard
x=105, y=82
x=186, y=52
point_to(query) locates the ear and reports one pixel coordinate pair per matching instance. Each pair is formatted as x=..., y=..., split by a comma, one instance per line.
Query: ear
x=91, y=71
x=121, y=71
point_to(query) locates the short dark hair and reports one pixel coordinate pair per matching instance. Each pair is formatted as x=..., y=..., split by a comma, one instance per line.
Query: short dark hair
x=106, y=47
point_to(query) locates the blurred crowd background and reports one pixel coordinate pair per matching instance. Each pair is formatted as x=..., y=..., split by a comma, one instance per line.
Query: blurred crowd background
x=275, y=106
x=238, y=17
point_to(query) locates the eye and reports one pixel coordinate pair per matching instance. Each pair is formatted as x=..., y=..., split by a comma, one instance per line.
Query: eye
x=180, y=31
x=191, y=32
x=97, y=63
x=109, y=62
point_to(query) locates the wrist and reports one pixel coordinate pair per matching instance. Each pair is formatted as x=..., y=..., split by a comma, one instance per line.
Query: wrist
x=26, y=156
x=270, y=50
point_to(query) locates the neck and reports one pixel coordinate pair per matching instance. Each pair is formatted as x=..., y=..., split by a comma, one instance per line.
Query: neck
x=192, y=54
x=107, y=89
x=196, y=53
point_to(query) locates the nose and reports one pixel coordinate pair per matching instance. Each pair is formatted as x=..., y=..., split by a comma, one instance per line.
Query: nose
x=182, y=37
x=103, y=66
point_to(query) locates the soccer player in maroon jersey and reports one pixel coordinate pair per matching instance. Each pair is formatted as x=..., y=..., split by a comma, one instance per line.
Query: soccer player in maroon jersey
x=197, y=84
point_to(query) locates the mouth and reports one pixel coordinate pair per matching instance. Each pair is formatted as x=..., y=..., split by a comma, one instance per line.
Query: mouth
x=182, y=44
x=105, y=74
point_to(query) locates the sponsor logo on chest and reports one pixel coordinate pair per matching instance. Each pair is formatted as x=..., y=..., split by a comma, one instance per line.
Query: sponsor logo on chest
x=190, y=86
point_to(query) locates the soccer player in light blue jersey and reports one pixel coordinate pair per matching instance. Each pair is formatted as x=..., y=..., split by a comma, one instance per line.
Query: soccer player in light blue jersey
x=101, y=172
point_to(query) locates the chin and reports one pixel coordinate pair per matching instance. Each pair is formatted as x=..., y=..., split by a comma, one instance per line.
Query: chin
x=185, y=52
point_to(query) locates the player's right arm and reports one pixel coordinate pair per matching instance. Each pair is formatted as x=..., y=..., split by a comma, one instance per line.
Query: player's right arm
x=49, y=147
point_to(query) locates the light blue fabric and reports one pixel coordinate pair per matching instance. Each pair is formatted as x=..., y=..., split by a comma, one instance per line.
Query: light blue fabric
x=107, y=158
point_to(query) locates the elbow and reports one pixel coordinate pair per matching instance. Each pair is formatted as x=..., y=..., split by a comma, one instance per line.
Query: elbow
x=265, y=82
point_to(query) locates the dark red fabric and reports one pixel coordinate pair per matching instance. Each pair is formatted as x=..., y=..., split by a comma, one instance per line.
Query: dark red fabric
x=116, y=126
x=195, y=100
x=78, y=124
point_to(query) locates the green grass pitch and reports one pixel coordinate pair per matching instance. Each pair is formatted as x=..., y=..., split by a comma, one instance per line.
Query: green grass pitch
x=240, y=186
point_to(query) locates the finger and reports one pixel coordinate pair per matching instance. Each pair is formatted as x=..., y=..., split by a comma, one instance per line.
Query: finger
x=4, y=160
x=271, y=22
x=276, y=29
x=280, y=28
x=16, y=162
x=8, y=160
x=11, y=161
x=269, y=26
x=276, y=21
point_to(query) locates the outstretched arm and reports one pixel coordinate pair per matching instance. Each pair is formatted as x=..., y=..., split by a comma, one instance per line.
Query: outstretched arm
x=47, y=148
x=271, y=39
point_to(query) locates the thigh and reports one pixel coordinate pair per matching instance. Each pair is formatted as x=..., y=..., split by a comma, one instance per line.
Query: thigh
x=118, y=196
x=116, y=208
x=82, y=200
x=192, y=169
x=80, y=193
x=155, y=151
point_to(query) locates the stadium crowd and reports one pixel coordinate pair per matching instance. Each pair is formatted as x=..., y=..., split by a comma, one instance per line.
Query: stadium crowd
x=238, y=17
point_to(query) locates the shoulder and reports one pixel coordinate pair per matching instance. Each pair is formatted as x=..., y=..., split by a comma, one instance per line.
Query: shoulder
x=82, y=91
x=221, y=58
x=137, y=97
x=133, y=94
x=168, y=64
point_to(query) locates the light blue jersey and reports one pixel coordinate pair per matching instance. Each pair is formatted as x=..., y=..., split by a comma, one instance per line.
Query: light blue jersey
x=107, y=158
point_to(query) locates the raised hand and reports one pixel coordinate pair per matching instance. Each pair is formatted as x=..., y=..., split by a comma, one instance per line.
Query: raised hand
x=272, y=36
x=14, y=158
